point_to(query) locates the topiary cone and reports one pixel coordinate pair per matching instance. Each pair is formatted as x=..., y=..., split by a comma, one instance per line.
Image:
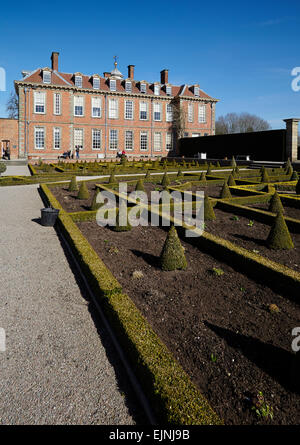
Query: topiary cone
x=203, y=176
x=119, y=228
x=279, y=236
x=179, y=174
x=275, y=204
x=95, y=205
x=83, y=191
x=265, y=176
x=112, y=179
x=172, y=256
x=165, y=181
x=73, y=186
x=295, y=176
x=225, y=193
x=139, y=186
x=147, y=175
x=231, y=181
x=209, y=213
x=2, y=167
x=233, y=163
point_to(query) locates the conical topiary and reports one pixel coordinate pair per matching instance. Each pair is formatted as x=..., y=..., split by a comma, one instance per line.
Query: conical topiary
x=112, y=179
x=179, y=174
x=165, y=181
x=225, y=192
x=139, y=186
x=83, y=191
x=264, y=175
x=231, y=181
x=172, y=256
x=233, y=163
x=279, y=236
x=275, y=204
x=96, y=205
x=73, y=186
x=298, y=187
x=209, y=213
x=288, y=165
x=2, y=167
x=120, y=228
x=295, y=176
x=203, y=176
x=209, y=171
x=237, y=171
x=218, y=164
x=148, y=175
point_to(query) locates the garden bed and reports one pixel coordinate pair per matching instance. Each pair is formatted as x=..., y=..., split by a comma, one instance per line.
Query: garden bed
x=216, y=324
x=291, y=212
x=252, y=236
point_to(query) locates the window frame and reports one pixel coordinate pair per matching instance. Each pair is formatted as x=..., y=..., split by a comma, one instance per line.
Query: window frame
x=155, y=141
x=94, y=107
x=47, y=73
x=94, y=81
x=111, y=83
x=202, y=115
x=76, y=130
x=132, y=140
x=116, y=132
x=155, y=104
x=125, y=109
x=35, y=94
x=99, y=131
x=171, y=143
x=144, y=133
x=143, y=111
x=55, y=95
x=36, y=129
x=116, y=101
x=83, y=103
x=168, y=113
x=54, y=141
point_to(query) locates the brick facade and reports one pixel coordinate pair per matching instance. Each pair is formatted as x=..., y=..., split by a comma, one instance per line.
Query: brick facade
x=9, y=136
x=49, y=126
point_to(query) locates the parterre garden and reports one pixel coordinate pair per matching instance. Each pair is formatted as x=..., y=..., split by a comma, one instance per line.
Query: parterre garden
x=206, y=321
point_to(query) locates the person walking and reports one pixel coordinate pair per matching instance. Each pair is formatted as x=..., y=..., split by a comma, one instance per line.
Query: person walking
x=77, y=152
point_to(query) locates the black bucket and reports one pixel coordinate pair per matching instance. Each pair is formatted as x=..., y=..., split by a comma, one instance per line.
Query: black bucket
x=49, y=216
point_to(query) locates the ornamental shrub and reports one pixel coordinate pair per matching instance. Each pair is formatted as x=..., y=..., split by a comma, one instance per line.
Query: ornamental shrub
x=264, y=176
x=295, y=176
x=279, y=236
x=225, y=192
x=209, y=213
x=139, y=186
x=165, y=181
x=208, y=172
x=275, y=204
x=2, y=167
x=96, y=205
x=203, y=176
x=112, y=179
x=233, y=162
x=73, y=186
x=172, y=256
x=83, y=191
x=231, y=181
x=118, y=227
x=179, y=174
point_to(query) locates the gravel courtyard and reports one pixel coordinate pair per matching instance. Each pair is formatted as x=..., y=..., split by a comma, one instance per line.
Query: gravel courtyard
x=59, y=366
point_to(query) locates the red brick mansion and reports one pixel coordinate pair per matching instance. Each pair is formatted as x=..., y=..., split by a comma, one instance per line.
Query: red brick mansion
x=105, y=114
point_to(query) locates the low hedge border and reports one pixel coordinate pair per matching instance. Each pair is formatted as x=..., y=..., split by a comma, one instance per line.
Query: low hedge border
x=32, y=170
x=174, y=397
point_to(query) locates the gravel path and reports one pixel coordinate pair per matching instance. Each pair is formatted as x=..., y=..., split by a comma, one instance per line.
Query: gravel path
x=16, y=170
x=59, y=366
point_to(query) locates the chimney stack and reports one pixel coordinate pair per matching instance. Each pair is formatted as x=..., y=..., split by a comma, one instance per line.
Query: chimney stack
x=164, y=76
x=131, y=71
x=54, y=59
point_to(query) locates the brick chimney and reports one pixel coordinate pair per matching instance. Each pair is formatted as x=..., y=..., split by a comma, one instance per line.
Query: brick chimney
x=54, y=59
x=164, y=76
x=131, y=71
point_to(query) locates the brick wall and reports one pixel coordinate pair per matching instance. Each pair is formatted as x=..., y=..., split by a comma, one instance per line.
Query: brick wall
x=9, y=132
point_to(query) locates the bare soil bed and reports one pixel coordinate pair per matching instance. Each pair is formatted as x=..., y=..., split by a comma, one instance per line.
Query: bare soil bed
x=253, y=237
x=69, y=201
x=218, y=326
x=292, y=212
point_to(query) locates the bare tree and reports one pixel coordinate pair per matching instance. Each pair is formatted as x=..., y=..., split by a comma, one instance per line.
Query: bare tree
x=240, y=123
x=179, y=119
x=12, y=106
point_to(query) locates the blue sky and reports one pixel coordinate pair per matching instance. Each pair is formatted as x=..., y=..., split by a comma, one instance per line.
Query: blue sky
x=240, y=53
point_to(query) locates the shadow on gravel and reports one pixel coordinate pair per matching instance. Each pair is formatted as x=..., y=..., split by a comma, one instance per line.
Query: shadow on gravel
x=124, y=385
x=37, y=220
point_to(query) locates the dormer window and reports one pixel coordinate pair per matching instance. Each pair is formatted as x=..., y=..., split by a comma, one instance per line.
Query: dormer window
x=196, y=91
x=46, y=77
x=169, y=90
x=96, y=83
x=78, y=81
x=143, y=88
x=112, y=85
x=156, y=90
x=128, y=87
